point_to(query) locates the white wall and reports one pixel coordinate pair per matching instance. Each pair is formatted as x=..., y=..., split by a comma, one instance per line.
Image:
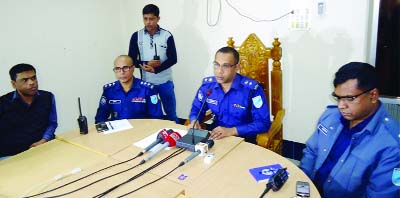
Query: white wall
x=73, y=44
x=309, y=60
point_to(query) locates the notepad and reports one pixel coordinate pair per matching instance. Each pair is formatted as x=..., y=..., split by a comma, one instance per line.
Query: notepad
x=264, y=173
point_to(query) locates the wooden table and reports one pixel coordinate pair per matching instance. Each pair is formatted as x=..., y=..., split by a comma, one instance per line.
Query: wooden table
x=230, y=177
x=226, y=176
x=22, y=172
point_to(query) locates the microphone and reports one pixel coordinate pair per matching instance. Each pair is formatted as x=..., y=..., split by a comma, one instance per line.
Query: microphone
x=201, y=148
x=82, y=120
x=169, y=141
x=161, y=137
x=195, y=136
x=208, y=93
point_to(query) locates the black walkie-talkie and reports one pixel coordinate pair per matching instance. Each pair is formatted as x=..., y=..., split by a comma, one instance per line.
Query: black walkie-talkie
x=82, y=121
x=156, y=57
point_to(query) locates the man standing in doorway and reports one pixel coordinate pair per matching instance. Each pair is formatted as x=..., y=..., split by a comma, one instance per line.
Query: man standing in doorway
x=153, y=50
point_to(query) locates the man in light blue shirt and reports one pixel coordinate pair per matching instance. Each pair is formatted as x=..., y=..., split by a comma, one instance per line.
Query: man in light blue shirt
x=356, y=146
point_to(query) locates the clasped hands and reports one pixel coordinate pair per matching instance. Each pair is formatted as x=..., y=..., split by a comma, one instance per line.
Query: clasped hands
x=149, y=67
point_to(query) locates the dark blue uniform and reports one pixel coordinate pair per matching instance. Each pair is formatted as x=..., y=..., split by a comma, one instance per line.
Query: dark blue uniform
x=244, y=106
x=141, y=101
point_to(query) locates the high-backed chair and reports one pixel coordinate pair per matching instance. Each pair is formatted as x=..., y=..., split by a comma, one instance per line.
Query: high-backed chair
x=254, y=63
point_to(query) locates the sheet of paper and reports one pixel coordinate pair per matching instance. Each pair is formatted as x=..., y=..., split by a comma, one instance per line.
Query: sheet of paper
x=151, y=138
x=117, y=125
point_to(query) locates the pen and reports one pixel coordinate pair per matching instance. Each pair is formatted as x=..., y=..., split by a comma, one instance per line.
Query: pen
x=111, y=125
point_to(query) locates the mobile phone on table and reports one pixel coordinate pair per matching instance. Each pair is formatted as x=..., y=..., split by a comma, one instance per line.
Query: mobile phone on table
x=302, y=189
x=102, y=126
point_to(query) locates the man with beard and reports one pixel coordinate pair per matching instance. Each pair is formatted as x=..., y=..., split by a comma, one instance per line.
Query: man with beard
x=355, y=149
x=28, y=116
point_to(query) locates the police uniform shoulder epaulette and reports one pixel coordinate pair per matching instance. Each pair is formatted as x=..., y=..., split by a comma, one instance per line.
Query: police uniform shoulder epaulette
x=249, y=83
x=331, y=106
x=109, y=85
x=208, y=80
x=147, y=84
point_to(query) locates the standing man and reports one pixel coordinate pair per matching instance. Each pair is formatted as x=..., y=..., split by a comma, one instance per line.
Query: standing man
x=153, y=50
x=128, y=97
x=355, y=149
x=28, y=116
x=238, y=102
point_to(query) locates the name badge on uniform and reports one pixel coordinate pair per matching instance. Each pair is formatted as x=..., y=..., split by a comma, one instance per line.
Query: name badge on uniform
x=114, y=102
x=238, y=106
x=212, y=101
x=139, y=99
x=257, y=101
x=396, y=176
x=323, y=129
x=154, y=99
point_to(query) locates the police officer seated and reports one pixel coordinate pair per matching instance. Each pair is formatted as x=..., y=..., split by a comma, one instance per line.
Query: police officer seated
x=355, y=149
x=128, y=97
x=28, y=116
x=237, y=102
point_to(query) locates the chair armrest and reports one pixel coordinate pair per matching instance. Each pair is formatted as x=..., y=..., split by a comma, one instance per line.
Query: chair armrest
x=266, y=139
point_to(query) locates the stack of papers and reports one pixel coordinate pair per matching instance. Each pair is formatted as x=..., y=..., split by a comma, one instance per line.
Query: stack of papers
x=117, y=125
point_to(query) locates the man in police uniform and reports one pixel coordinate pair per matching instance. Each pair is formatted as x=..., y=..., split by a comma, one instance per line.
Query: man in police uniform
x=355, y=149
x=153, y=51
x=129, y=97
x=238, y=102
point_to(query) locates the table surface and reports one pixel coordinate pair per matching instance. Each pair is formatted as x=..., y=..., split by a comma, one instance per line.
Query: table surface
x=226, y=176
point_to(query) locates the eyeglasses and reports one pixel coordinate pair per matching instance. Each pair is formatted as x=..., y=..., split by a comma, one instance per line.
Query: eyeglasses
x=119, y=69
x=224, y=66
x=349, y=98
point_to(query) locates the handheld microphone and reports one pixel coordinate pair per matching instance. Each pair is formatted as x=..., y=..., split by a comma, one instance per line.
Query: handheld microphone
x=82, y=120
x=201, y=148
x=169, y=141
x=162, y=136
x=156, y=57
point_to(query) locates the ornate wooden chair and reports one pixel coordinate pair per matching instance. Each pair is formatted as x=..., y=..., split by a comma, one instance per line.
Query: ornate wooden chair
x=254, y=63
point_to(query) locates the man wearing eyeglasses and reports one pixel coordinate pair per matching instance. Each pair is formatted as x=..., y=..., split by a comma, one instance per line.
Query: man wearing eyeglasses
x=153, y=51
x=128, y=97
x=355, y=149
x=238, y=102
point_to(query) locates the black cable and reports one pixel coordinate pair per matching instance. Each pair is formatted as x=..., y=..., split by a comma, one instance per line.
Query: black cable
x=267, y=188
x=152, y=182
x=255, y=20
x=177, y=152
x=71, y=182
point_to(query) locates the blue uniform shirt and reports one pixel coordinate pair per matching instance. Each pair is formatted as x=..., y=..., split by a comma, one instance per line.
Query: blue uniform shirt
x=141, y=101
x=244, y=106
x=338, y=148
x=366, y=166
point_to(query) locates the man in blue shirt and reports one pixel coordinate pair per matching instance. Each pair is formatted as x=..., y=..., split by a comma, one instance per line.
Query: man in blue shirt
x=28, y=116
x=238, y=102
x=128, y=97
x=153, y=50
x=356, y=146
